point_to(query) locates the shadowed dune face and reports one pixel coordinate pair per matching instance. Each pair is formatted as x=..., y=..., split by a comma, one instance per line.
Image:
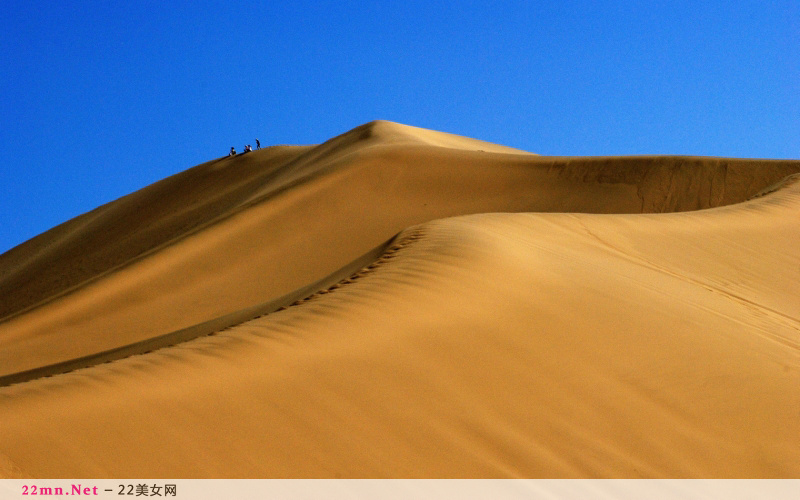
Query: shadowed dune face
x=598, y=337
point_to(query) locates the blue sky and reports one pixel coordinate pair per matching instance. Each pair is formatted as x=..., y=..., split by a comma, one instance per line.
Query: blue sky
x=99, y=99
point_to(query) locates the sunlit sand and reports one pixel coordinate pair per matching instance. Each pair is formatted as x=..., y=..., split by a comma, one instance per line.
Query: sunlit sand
x=399, y=302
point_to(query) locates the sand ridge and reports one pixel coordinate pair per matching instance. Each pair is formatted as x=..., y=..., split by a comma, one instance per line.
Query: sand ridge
x=348, y=195
x=610, y=341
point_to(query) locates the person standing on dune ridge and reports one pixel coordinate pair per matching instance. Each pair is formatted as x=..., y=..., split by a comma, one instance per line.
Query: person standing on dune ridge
x=258, y=144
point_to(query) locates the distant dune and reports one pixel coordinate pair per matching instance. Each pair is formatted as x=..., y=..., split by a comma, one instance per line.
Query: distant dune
x=399, y=302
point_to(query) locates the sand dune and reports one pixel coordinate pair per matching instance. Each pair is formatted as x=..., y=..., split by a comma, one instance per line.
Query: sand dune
x=508, y=315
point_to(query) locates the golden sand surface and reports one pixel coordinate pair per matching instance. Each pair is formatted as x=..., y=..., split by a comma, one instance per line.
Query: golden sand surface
x=399, y=302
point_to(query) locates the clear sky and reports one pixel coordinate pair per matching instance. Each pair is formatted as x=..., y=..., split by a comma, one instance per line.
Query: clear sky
x=101, y=98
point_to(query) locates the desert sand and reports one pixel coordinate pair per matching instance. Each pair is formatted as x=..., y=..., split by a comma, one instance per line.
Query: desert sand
x=404, y=303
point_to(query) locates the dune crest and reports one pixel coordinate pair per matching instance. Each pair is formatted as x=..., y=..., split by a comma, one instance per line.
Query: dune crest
x=580, y=333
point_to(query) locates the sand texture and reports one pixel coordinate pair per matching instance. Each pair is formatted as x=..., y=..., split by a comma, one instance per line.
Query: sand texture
x=399, y=302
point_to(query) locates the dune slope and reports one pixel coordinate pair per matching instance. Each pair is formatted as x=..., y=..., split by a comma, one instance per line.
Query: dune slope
x=236, y=232
x=611, y=341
